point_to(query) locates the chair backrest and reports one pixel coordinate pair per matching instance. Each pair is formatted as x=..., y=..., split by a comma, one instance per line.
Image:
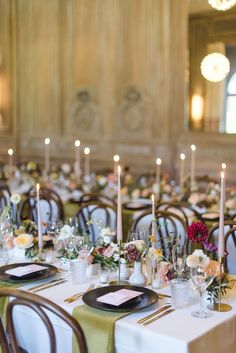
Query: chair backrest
x=230, y=259
x=230, y=249
x=169, y=228
x=51, y=206
x=5, y=195
x=91, y=197
x=184, y=210
x=101, y=215
x=38, y=305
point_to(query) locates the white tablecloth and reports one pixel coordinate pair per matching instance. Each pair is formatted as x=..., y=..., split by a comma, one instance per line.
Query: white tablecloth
x=178, y=332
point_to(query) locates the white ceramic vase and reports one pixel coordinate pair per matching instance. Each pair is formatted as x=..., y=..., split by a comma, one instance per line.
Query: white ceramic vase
x=137, y=278
x=124, y=272
x=92, y=270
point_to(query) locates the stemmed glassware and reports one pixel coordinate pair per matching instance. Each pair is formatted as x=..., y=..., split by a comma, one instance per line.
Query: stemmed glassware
x=179, y=255
x=200, y=281
x=6, y=232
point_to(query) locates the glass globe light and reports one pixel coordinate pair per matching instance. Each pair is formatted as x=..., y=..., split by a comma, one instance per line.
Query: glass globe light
x=215, y=67
x=222, y=5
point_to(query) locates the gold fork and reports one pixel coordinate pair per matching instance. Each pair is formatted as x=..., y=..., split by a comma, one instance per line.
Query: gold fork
x=77, y=295
x=158, y=311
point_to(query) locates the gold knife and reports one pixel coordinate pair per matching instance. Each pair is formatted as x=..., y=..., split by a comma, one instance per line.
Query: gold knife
x=49, y=286
x=159, y=316
x=44, y=284
x=160, y=310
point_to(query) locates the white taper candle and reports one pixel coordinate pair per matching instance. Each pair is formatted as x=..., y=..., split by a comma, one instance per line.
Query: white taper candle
x=221, y=244
x=192, y=167
x=47, y=155
x=119, y=205
x=40, y=236
x=77, y=159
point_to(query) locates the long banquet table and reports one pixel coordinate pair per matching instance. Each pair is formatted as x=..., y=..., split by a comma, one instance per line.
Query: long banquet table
x=178, y=332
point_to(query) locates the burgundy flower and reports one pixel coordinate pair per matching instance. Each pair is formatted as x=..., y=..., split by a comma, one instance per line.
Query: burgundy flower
x=101, y=250
x=132, y=254
x=197, y=232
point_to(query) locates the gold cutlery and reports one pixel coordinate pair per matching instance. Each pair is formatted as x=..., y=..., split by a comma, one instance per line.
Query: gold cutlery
x=162, y=295
x=45, y=284
x=158, y=317
x=77, y=295
x=160, y=310
x=49, y=286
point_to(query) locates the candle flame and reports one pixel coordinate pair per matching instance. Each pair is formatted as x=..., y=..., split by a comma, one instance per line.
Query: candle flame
x=223, y=166
x=193, y=147
x=153, y=198
x=47, y=141
x=158, y=161
x=87, y=150
x=116, y=158
x=119, y=170
x=182, y=156
x=77, y=143
x=222, y=174
x=37, y=186
x=10, y=152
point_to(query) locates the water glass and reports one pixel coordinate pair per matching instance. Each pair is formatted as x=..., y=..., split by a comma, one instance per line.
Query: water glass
x=78, y=271
x=179, y=288
x=104, y=274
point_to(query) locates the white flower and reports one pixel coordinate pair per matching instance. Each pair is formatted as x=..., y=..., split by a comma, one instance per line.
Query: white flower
x=65, y=167
x=24, y=241
x=139, y=244
x=135, y=194
x=102, y=180
x=65, y=232
x=107, y=231
x=15, y=199
x=197, y=259
x=116, y=257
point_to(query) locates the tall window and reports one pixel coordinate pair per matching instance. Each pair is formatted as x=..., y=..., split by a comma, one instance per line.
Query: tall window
x=230, y=123
x=230, y=92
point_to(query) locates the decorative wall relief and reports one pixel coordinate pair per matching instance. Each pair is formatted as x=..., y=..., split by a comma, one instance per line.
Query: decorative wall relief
x=134, y=113
x=85, y=112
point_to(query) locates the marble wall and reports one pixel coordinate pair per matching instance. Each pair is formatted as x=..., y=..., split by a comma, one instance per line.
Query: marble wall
x=109, y=72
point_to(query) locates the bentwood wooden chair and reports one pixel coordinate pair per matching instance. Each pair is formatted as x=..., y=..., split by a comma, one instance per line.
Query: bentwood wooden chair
x=184, y=210
x=5, y=195
x=230, y=250
x=8, y=336
x=230, y=243
x=51, y=206
x=169, y=229
x=95, y=215
x=91, y=197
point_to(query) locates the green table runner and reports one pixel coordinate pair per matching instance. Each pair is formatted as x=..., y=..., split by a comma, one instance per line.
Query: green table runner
x=98, y=327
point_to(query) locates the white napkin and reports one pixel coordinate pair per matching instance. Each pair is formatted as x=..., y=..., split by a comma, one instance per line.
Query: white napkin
x=119, y=297
x=25, y=270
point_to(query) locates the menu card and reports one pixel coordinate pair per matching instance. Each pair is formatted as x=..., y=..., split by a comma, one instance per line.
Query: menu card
x=119, y=297
x=25, y=270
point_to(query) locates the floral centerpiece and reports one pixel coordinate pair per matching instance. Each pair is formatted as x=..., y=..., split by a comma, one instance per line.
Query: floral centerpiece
x=134, y=252
x=198, y=233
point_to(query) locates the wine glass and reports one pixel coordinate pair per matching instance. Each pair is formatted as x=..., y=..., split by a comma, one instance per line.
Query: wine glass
x=200, y=281
x=6, y=233
x=74, y=224
x=179, y=255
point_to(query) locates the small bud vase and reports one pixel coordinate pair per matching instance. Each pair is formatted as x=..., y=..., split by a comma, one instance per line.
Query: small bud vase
x=137, y=278
x=124, y=272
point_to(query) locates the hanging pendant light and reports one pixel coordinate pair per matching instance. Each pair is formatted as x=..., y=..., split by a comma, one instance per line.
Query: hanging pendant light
x=222, y=5
x=215, y=67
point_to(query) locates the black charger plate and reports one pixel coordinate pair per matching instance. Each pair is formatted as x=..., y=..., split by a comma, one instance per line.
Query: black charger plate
x=148, y=297
x=35, y=276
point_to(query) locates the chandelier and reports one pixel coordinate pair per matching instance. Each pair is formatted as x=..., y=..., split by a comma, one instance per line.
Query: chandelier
x=222, y=5
x=215, y=67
